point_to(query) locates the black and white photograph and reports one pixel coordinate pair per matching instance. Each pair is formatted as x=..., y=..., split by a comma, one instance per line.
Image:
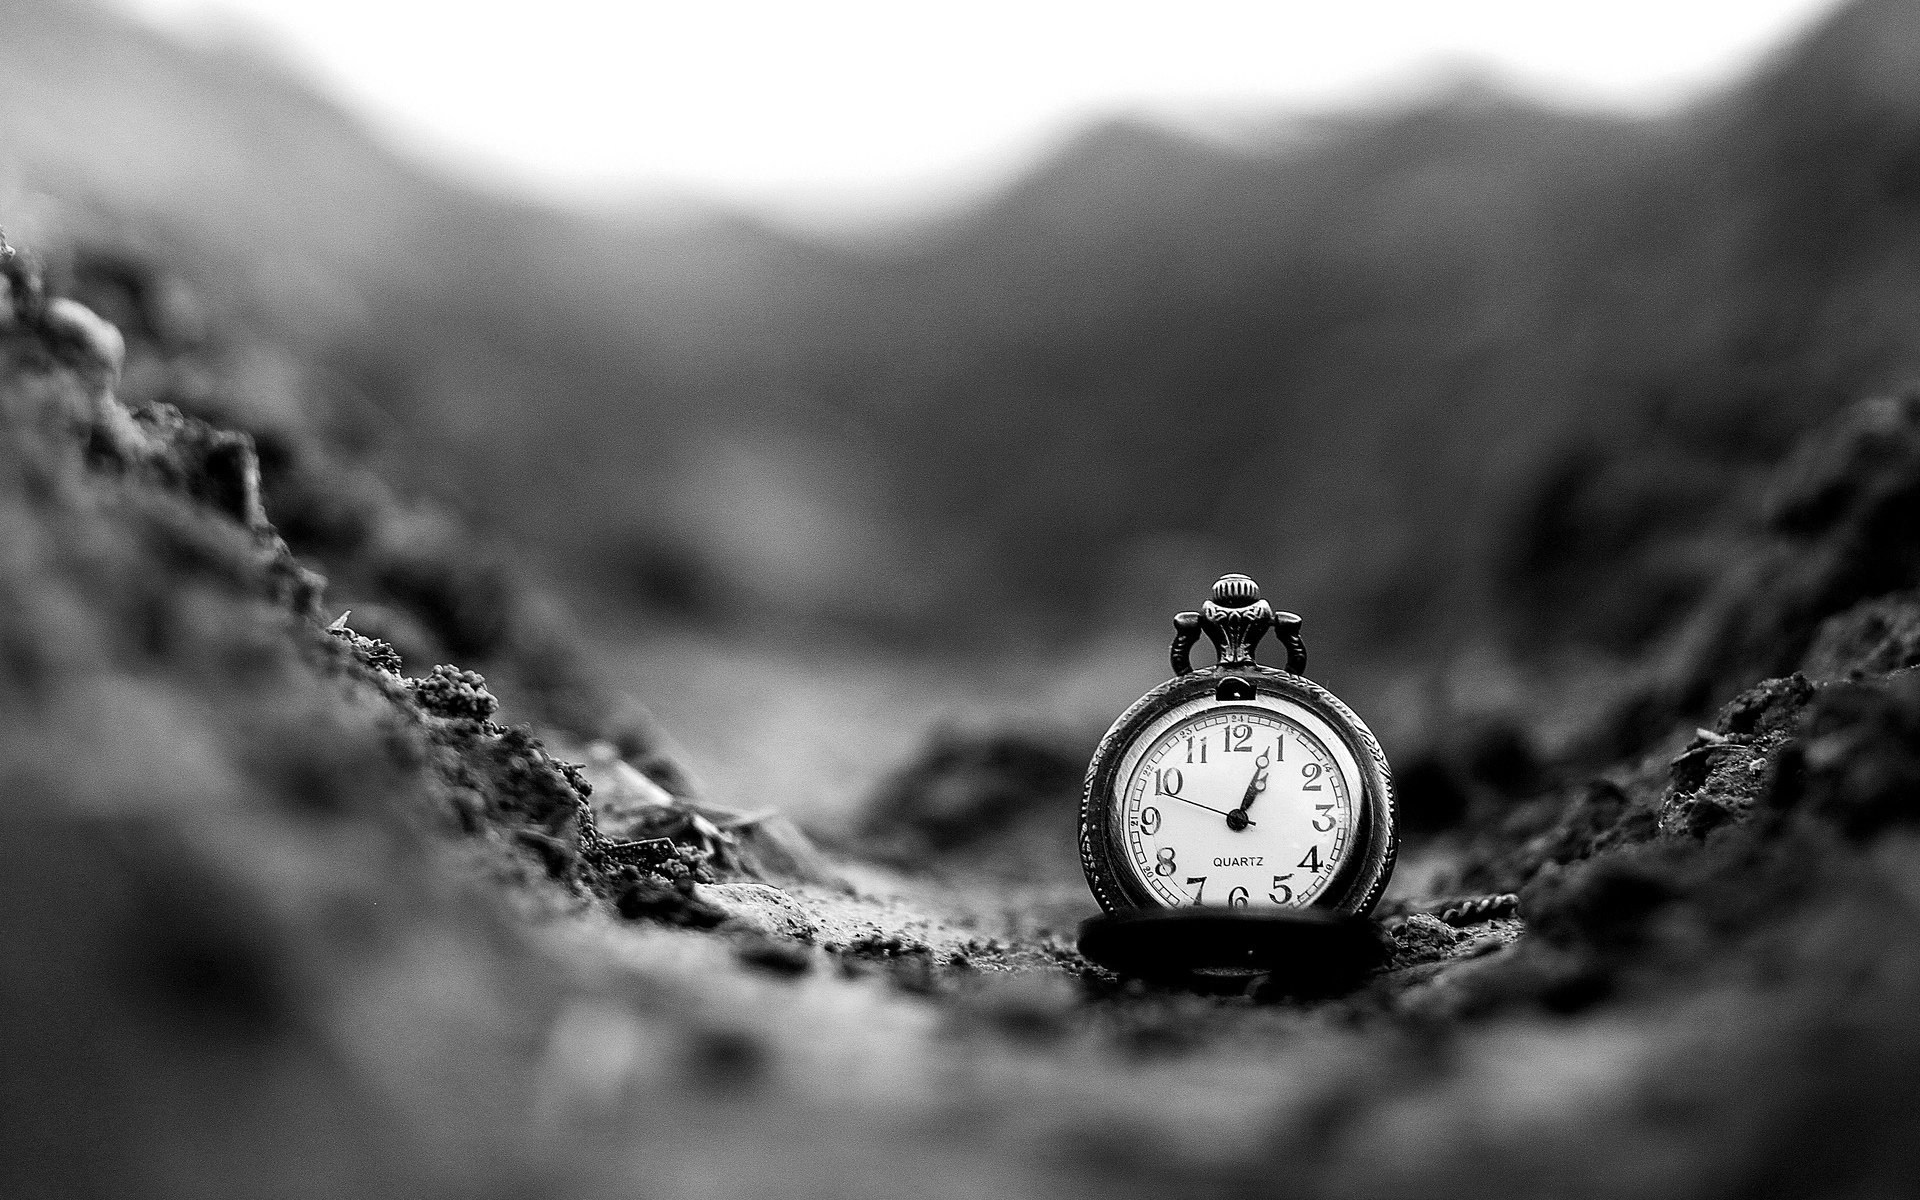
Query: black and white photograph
x=1036, y=600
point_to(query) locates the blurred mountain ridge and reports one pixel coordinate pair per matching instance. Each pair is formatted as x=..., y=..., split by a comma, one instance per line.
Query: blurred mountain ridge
x=1478, y=367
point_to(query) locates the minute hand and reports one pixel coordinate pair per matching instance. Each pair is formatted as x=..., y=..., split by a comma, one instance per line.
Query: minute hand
x=1208, y=807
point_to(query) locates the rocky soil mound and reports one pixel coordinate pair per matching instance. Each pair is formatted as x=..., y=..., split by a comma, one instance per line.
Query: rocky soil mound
x=289, y=912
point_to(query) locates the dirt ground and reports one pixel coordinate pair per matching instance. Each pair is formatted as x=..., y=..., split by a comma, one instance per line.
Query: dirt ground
x=290, y=913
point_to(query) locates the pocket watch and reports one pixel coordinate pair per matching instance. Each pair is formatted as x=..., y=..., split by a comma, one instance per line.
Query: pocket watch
x=1243, y=790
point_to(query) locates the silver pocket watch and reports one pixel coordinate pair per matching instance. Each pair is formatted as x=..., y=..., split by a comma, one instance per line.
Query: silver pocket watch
x=1245, y=797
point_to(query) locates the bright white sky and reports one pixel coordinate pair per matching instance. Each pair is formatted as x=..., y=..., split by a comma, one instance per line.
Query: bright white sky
x=797, y=104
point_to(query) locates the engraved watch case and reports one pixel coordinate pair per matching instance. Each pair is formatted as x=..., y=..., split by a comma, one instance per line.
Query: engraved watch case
x=1235, y=619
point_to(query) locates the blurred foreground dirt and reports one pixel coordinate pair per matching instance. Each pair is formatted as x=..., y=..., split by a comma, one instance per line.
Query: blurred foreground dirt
x=282, y=918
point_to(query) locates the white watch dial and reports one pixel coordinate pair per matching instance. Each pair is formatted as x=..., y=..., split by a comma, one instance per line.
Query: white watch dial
x=1237, y=804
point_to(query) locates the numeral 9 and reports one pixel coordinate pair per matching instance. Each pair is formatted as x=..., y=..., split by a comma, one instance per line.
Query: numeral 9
x=1149, y=820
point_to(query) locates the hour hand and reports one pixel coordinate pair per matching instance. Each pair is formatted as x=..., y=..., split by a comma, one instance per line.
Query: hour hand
x=1255, y=786
x=1237, y=819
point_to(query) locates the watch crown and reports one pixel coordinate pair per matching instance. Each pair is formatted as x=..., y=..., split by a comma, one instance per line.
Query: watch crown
x=1235, y=591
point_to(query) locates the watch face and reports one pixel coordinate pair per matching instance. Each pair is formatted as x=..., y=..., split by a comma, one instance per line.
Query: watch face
x=1236, y=804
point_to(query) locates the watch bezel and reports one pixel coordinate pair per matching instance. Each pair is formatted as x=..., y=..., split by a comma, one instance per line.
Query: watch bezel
x=1357, y=886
